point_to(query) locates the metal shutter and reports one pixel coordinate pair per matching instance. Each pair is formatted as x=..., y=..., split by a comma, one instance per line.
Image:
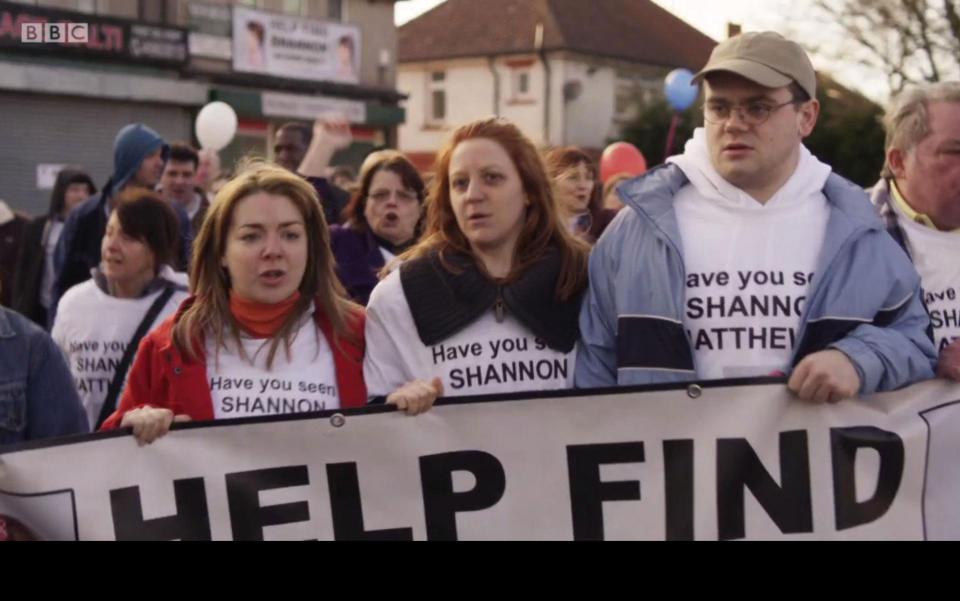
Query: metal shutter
x=38, y=128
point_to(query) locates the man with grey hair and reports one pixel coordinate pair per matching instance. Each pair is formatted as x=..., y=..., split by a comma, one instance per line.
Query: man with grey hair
x=919, y=198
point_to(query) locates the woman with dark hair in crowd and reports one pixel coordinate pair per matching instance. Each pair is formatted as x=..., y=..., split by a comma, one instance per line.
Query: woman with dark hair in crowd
x=33, y=286
x=488, y=300
x=580, y=197
x=382, y=220
x=266, y=308
x=100, y=322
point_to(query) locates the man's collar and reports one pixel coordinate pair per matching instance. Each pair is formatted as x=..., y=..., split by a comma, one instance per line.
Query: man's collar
x=911, y=213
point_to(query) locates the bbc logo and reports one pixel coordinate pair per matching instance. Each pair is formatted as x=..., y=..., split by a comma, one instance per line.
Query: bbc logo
x=54, y=33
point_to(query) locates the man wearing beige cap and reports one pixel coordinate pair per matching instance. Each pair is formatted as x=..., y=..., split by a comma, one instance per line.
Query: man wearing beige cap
x=745, y=256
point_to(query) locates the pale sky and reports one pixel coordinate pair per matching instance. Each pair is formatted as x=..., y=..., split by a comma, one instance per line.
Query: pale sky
x=702, y=14
x=711, y=17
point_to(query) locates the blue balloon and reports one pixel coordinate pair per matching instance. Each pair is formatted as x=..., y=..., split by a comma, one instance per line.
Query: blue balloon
x=677, y=87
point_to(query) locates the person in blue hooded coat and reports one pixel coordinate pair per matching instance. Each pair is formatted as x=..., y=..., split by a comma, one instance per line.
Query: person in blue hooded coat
x=139, y=154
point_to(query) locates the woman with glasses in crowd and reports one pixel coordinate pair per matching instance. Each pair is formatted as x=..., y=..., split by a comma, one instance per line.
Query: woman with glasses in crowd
x=382, y=220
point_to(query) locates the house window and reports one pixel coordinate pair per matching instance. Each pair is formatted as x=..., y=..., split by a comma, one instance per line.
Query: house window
x=624, y=102
x=438, y=105
x=629, y=96
x=437, y=97
x=521, y=74
x=523, y=83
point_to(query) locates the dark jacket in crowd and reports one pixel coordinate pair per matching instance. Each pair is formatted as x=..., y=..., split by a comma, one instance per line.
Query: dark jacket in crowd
x=601, y=219
x=192, y=226
x=11, y=235
x=200, y=215
x=333, y=199
x=29, y=276
x=359, y=260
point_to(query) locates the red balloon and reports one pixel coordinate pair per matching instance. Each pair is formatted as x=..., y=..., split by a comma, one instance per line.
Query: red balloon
x=621, y=157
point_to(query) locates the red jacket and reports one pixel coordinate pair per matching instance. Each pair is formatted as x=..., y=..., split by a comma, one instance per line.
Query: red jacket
x=162, y=377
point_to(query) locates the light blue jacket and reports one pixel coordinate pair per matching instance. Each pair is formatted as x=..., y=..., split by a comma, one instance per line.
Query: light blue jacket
x=864, y=299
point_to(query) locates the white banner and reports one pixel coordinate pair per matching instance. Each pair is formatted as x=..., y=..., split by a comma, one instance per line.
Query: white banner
x=287, y=46
x=718, y=462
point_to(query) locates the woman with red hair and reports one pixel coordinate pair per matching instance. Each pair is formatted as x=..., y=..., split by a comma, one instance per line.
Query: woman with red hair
x=488, y=300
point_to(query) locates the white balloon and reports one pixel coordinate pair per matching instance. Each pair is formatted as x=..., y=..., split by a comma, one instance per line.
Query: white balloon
x=216, y=125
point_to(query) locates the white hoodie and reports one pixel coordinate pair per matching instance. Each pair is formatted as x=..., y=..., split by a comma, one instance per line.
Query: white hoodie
x=748, y=264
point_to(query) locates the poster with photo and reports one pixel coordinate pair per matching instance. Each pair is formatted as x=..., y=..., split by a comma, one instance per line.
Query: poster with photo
x=295, y=47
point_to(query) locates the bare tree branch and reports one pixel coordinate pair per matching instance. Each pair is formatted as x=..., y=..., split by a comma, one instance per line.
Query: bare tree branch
x=953, y=21
x=917, y=8
x=908, y=40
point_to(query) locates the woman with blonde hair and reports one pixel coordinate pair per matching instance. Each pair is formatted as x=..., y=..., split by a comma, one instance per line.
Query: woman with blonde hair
x=488, y=300
x=268, y=329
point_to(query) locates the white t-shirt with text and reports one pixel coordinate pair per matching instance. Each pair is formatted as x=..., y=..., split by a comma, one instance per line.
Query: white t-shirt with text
x=93, y=330
x=936, y=255
x=244, y=387
x=485, y=357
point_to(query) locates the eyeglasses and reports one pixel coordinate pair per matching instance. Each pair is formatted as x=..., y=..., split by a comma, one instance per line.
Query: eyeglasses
x=382, y=196
x=751, y=113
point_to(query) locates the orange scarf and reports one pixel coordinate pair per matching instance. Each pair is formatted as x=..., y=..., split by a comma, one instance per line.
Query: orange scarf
x=261, y=320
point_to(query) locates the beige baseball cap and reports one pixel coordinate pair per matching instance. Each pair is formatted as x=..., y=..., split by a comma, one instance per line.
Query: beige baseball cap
x=763, y=57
